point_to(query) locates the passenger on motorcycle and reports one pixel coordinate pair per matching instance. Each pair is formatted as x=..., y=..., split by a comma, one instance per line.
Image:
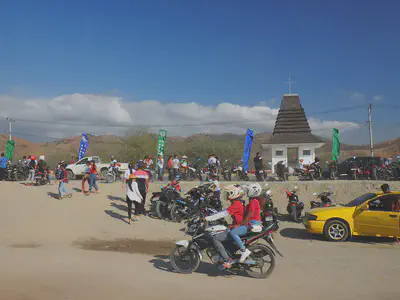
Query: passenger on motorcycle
x=234, y=194
x=251, y=220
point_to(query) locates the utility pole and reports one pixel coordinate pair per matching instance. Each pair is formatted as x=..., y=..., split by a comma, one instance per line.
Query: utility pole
x=10, y=121
x=371, y=141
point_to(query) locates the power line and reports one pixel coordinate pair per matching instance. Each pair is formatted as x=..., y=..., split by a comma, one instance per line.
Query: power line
x=180, y=125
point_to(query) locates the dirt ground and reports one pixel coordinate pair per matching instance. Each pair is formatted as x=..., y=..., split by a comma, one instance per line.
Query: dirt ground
x=82, y=248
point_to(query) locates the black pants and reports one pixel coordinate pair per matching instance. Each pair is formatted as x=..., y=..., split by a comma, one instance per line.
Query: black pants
x=142, y=205
x=2, y=174
x=170, y=174
x=129, y=204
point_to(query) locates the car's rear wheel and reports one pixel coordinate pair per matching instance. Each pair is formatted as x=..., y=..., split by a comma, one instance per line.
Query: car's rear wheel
x=336, y=230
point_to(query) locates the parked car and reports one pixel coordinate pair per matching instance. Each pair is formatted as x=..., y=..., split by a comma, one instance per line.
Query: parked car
x=77, y=169
x=372, y=214
x=365, y=167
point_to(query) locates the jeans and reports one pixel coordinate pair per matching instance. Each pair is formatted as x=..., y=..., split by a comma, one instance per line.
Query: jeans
x=160, y=174
x=2, y=174
x=31, y=175
x=92, y=182
x=237, y=232
x=62, y=189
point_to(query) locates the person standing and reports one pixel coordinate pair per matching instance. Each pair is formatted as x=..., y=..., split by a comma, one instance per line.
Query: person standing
x=175, y=165
x=86, y=177
x=170, y=169
x=32, y=170
x=160, y=167
x=72, y=161
x=3, y=167
x=142, y=179
x=62, y=185
x=133, y=195
x=127, y=174
x=93, y=174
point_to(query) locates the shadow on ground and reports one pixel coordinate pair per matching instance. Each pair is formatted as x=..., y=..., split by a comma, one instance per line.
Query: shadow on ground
x=112, y=198
x=52, y=195
x=297, y=233
x=116, y=215
x=120, y=207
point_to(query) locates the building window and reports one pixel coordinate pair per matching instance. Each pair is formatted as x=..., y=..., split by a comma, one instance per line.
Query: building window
x=306, y=152
x=279, y=153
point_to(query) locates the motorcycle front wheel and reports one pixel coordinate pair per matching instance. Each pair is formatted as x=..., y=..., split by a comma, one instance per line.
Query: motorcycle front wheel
x=175, y=213
x=184, y=260
x=264, y=261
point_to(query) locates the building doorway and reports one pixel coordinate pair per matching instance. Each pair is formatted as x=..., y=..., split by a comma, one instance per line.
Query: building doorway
x=293, y=157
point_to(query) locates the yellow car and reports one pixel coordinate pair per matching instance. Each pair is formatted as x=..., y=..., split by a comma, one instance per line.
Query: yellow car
x=368, y=215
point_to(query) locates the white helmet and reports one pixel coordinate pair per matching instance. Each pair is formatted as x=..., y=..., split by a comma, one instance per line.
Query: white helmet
x=233, y=192
x=253, y=190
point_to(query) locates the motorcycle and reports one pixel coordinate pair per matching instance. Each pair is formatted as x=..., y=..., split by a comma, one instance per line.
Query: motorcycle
x=240, y=173
x=42, y=177
x=212, y=173
x=227, y=172
x=161, y=202
x=295, y=206
x=281, y=171
x=313, y=171
x=113, y=174
x=189, y=173
x=186, y=255
x=333, y=170
x=269, y=213
x=325, y=200
x=260, y=174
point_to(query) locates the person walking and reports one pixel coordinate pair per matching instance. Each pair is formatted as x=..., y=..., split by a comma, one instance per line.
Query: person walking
x=142, y=179
x=62, y=189
x=128, y=173
x=176, y=165
x=93, y=174
x=133, y=195
x=160, y=167
x=86, y=178
x=3, y=167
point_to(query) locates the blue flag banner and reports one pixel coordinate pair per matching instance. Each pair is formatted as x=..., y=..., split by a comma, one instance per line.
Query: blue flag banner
x=83, y=146
x=248, y=143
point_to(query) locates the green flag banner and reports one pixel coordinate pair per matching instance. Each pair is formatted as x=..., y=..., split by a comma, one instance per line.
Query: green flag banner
x=335, y=144
x=10, y=149
x=162, y=139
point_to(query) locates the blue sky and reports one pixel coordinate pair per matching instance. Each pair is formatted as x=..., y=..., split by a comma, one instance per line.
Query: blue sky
x=340, y=53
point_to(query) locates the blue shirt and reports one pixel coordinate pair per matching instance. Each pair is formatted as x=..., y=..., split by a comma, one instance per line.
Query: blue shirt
x=3, y=162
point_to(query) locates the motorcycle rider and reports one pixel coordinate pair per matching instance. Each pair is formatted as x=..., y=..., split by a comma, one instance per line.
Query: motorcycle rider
x=385, y=188
x=251, y=219
x=234, y=194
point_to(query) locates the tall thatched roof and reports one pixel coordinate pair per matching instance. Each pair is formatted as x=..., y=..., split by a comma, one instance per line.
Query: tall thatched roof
x=291, y=125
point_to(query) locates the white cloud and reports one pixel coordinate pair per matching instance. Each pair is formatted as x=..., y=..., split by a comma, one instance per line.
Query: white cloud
x=357, y=97
x=378, y=98
x=114, y=115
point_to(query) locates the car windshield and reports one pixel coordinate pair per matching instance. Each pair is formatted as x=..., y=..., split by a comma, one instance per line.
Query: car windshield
x=360, y=200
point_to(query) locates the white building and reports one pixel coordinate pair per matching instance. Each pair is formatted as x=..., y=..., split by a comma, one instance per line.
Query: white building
x=291, y=140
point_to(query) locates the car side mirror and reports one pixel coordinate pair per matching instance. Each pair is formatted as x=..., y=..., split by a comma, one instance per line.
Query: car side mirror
x=364, y=207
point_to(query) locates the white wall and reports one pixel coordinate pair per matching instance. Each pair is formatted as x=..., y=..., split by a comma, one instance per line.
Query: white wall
x=307, y=159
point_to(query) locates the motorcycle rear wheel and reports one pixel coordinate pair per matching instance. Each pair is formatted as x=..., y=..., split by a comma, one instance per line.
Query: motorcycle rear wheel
x=161, y=210
x=262, y=255
x=181, y=256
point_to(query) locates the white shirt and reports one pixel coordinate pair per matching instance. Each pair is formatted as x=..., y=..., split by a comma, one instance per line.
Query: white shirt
x=175, y=163
x=128, y=173
x=212, y=161
x=134, y=194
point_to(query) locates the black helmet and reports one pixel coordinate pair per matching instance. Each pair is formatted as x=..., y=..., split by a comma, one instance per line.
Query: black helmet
x=385, y=188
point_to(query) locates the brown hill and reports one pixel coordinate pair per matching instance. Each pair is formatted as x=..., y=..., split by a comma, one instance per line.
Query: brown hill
x=200, y=145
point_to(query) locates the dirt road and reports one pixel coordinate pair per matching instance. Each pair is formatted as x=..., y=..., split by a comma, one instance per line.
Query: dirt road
x=81, y=248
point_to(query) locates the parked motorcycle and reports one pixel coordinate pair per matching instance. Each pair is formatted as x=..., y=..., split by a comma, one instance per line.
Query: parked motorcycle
x=260, y=175
x=269, y=212
x=113, y=174
x=42, y=177
x=333, y=170
x=281, y=171
x=186, y=255
x=161, y=202
x=325, y=200
x=295, y=206
x=240, y=173
x=227, y=172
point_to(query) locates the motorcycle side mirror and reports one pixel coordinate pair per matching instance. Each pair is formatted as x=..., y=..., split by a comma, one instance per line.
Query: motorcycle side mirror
x=315, y=194
x=364, y=207
x=296, y=187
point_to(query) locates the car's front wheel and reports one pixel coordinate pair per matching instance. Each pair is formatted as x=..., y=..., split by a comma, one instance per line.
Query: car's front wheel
x=336, y=230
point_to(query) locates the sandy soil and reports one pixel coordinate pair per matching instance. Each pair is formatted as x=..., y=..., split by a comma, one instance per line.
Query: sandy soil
x=81, y=248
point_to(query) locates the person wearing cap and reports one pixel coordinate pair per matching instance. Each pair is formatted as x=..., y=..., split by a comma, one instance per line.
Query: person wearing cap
x=134, y=196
